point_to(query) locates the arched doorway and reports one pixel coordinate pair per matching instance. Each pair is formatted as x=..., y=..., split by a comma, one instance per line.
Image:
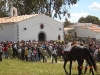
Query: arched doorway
x=41, y=36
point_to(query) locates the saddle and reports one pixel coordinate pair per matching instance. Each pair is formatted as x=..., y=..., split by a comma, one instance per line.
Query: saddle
x=66, y=54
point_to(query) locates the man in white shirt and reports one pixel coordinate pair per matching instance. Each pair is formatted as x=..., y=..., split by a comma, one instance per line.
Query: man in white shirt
x=67, y=48
x=50, y=48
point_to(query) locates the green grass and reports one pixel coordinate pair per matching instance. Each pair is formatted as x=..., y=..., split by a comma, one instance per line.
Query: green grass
x=17, y=67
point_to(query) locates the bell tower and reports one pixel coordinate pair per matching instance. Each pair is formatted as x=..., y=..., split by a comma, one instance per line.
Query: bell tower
x=13, y=11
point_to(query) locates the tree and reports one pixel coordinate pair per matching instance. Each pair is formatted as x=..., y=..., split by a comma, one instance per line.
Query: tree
x=3, y=12
x=81, y=20
x=42, y=6
x=67, y=23
x=92, y=19
x=89, y=19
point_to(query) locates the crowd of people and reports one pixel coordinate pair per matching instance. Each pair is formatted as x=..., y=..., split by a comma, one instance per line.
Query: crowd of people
x=29, y=50
x=38, y=50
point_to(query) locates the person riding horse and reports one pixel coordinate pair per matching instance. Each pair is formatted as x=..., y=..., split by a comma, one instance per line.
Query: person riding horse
x=67, y=48
x=79, y=53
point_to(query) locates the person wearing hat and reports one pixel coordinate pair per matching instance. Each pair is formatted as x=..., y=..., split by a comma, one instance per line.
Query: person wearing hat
x=91, y=50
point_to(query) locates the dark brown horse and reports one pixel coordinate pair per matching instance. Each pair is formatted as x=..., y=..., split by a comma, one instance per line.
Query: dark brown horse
x=80, y=54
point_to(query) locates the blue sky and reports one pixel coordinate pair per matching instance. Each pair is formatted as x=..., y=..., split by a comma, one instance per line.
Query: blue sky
x=83, y=8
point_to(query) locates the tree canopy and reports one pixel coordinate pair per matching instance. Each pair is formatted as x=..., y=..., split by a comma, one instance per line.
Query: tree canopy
x=3, y=12
x=89, y=19
x=67, y=23
x=54, y=8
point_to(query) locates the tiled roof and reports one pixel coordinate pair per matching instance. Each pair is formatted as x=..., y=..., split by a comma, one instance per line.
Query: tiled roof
x=68, y=28
x=16, y=18
x=90, y=26
x=93, y=27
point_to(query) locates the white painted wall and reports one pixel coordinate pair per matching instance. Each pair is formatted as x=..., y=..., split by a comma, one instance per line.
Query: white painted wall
x=82, y=32
x=67, y=30
x=98, y=35
x=51, y=28
x=15, y=32
x=8, y=32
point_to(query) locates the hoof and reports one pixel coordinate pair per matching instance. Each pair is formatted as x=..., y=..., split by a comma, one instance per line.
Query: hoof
x=67, y=73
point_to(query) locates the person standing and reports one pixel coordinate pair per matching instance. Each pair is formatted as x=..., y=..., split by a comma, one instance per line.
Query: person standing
x=39, y=49
x=22, y=53
x=1, y=52
x=50, y=47
x=96, y=53
x=92, y=54
x=5, y=49
x=44, y=55
x=26, y=54
x=33, y=56
x=29, y=54
x=10, y=50
x=19, y=52
x=54, y=55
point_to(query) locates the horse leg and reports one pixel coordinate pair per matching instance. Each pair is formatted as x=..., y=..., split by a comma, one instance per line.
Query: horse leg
x=91, y=70
x=80, y=66
x=86, y=67
x=64, y=66
x=70, y=67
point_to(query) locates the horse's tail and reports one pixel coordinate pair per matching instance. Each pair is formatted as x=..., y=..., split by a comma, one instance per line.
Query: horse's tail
x=92, y=60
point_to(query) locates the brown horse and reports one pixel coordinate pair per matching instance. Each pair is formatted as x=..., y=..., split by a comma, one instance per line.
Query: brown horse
x=80, y=54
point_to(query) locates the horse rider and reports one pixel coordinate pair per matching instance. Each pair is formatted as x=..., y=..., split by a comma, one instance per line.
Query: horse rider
x=67, y=48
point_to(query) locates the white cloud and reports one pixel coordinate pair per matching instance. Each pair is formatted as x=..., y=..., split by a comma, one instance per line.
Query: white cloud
x=75, y=16
x=94, y=6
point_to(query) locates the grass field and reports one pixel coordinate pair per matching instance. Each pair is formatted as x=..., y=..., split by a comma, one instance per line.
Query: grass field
x=17, y=67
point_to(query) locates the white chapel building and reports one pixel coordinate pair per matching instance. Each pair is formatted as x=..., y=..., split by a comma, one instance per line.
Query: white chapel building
x=37, y=27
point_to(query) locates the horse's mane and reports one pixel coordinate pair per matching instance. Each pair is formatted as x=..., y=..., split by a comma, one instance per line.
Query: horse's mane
x=77, y=47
